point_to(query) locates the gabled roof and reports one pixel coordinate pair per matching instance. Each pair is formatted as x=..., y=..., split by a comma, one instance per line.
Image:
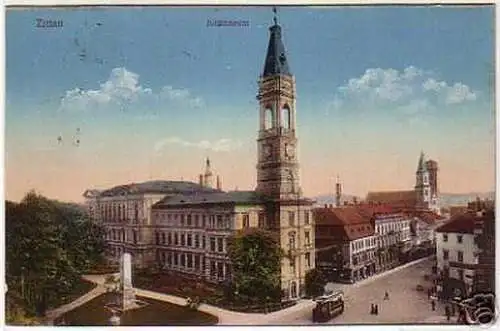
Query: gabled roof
x=233, y=197
x=158, y=187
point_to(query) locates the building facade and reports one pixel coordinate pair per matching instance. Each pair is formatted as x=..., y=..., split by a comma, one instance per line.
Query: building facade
x=125, y=212
x=457, y=254
x=345, y=244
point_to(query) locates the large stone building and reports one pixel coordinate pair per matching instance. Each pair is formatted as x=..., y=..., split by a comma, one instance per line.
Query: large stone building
x=125, y=212
x=424, y=196
x=188, y=232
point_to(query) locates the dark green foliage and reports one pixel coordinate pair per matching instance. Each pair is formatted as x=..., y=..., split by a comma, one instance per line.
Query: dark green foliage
x=256, y=267
x=49, y=244
x=315, y=283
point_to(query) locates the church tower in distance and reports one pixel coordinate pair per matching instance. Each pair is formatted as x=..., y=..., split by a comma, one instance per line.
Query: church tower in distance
x=288, y=213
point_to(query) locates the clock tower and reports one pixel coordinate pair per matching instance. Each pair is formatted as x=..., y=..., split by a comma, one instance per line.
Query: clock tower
x=277, y=169
x=288, y=213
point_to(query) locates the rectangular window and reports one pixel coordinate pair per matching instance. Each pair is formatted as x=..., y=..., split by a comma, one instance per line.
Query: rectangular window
x=459, y=238
x=460, y=274
x=169, y=238
x=246, y=221
x=183, y=240
x=220, y=222
x=183, y=260
x=189, y=261
x=220, y=270
x=197, y=262
x=308, y=260
x=163, y=239
x=203, y=242
x=262, y=220
x=306, y=217
x=157, y=238
x=307, y=238
x=291, y=218
x=189, y=240
x=292, y=265
x=169, y=258
x=176, y=239
x=445, y=237
x=460, y=256
x=182, y=219
x=176, y=259
x=197, y=220
x=446, y=254
x=135, y=237
x=196, y=241
x=220, y=245
x=204, y=221
x=188, y=220
x=213, y=270
x=212, y=244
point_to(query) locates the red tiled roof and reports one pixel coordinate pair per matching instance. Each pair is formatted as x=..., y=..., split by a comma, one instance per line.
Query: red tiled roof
x=462, y=223
x=347, y=219
x=395, y=198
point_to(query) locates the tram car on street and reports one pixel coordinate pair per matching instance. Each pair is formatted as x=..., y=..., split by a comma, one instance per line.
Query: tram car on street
x=328, y=306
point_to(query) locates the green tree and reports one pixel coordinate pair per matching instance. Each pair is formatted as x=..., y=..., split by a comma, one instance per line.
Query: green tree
x=48, y=246
x=256, y=266
x=315, y=283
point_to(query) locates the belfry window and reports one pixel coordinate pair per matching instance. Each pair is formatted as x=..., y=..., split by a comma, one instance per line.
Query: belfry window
x=268, y=118
x=285, y=117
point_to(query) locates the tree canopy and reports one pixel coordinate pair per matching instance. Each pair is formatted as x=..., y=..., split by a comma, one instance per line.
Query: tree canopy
x=315, y=283
x=256, y=266
x=49, y=245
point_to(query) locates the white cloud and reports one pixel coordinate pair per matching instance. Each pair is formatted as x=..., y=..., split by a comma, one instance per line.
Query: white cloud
x=408, y=89
x=221, y=145
x=123, y=89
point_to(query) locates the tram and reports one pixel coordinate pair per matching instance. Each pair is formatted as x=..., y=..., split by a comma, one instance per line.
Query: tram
x=328, y=306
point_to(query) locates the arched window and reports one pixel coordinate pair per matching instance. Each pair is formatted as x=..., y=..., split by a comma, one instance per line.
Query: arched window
x=285, y=117
x=268, y=118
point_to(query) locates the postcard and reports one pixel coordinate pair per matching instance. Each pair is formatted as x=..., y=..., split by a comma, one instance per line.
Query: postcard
x=250, y=165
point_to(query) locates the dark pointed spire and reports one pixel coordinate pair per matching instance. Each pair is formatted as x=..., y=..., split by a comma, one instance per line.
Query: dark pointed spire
x=276, y=59
x=421, y=163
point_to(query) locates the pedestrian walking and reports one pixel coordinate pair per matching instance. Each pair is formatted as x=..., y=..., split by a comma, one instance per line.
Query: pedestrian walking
x=447, y=312
x=433, y=304
x=372, y=309
x=376, y=309
x=452, y=309
x=386, y=296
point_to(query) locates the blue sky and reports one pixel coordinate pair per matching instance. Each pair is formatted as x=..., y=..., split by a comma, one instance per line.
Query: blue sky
x=158, y=91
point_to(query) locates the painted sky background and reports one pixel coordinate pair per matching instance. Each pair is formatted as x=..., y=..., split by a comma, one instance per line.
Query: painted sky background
x=158, y=91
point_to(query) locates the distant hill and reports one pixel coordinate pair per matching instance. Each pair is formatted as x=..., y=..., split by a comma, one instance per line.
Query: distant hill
x=457, y=199
x=447, y=199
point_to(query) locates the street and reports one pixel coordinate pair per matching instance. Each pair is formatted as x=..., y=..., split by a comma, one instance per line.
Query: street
x=405, y=304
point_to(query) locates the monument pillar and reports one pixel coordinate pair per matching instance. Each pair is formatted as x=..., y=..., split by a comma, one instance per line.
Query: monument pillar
x=128, y=299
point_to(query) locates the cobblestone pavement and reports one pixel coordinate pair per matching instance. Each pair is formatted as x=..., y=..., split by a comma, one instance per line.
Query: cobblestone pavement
x=405, y=304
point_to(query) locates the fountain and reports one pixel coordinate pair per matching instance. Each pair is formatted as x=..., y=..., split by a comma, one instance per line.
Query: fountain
x=125, y=292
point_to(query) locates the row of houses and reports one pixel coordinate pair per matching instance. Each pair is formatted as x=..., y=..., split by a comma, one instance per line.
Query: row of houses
x=354, y=242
